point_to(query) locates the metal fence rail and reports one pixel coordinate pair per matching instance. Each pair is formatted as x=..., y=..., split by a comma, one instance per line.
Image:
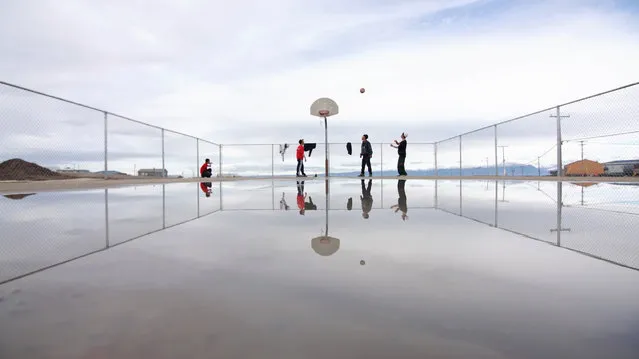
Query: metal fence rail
x=89, y=139
x=584, y=137
x=588, y=136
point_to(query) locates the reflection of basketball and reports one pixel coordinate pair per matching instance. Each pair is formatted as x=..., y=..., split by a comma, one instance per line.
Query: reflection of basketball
x=362, y=90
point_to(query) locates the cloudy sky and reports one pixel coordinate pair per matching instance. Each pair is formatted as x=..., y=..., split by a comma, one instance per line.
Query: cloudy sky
x=247, y=72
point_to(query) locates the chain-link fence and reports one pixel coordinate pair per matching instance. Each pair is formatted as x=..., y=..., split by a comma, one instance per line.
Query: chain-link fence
x=448, y=157
x=594, y=136
x=46, y=137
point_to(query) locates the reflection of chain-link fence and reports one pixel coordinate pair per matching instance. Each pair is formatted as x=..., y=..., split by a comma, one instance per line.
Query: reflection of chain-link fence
x=41, y=230
x=595, y=219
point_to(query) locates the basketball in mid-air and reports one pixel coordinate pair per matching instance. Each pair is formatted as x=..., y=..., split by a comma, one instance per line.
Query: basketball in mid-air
x=362, y=90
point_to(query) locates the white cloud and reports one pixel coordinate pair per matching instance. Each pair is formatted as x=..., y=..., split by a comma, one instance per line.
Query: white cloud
x=248, y=71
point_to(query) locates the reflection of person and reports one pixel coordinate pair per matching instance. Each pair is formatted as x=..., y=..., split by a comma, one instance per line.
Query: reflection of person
x=283, y=204
x=310, y=205
x=401, y=151
x=365, y=154
x=300, y=155
x=401, y=201
x=205, y=170
x=206, y=188
x=301, y=196
x=366, y=198
x=349, y=203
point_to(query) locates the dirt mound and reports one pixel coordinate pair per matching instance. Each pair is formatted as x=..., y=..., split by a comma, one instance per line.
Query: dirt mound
x=21, y=170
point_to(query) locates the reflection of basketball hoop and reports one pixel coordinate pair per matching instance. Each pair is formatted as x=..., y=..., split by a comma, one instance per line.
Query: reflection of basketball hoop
x=323, y=113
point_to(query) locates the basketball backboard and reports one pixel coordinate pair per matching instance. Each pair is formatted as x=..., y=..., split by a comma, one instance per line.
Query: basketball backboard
x=320, y=107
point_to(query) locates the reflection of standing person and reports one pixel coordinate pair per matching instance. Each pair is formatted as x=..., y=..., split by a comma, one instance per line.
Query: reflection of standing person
x=401, y=151
x=206, y=188
x=301, y=157
x=205, y=170
x=366, y=198
x=283, y=204
x=365, y=154
x=301, y=196
x=401, y=201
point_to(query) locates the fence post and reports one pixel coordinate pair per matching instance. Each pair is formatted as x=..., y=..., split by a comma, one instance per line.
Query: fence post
x=106, y=151
x=220, y=170
x=496, y=165
x=197, y=158
x=273, y=162
x=163, y=169
x=436, y=170
x=460, y=155
x=381, y=159
x=559, y=160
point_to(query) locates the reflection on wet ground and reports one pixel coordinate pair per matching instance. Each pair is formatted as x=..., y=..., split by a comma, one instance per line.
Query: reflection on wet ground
x=280, y=269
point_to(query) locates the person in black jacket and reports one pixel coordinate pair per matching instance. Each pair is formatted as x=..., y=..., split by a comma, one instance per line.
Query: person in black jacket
x=365, y=154
x=401, y=151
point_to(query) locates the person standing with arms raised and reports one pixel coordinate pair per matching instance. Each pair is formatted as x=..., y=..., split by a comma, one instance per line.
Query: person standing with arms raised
x=401, y=151
x=365, y=154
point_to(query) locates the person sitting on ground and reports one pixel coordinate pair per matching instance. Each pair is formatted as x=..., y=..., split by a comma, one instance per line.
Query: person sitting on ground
x=205, y=170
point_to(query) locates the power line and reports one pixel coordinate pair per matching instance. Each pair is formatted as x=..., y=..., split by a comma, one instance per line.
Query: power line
x=602, y=136
x=542, y=155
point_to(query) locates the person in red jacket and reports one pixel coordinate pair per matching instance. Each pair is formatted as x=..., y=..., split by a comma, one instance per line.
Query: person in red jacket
x=301, y=157
x=205, y=170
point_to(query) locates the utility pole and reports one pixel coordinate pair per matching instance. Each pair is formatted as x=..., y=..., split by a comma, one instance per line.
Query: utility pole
x=538, y=167
x=503, y=159
x=582, y=149
x=486, y=162
x=559, y=116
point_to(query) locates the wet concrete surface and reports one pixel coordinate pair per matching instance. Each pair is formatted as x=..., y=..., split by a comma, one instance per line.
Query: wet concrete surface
x=239, y=273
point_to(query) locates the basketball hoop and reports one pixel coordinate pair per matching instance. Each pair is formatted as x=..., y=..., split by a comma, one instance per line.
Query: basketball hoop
x=325, y=107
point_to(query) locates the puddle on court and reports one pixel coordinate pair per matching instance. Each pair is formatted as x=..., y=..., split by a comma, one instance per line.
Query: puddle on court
x=463, y=269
